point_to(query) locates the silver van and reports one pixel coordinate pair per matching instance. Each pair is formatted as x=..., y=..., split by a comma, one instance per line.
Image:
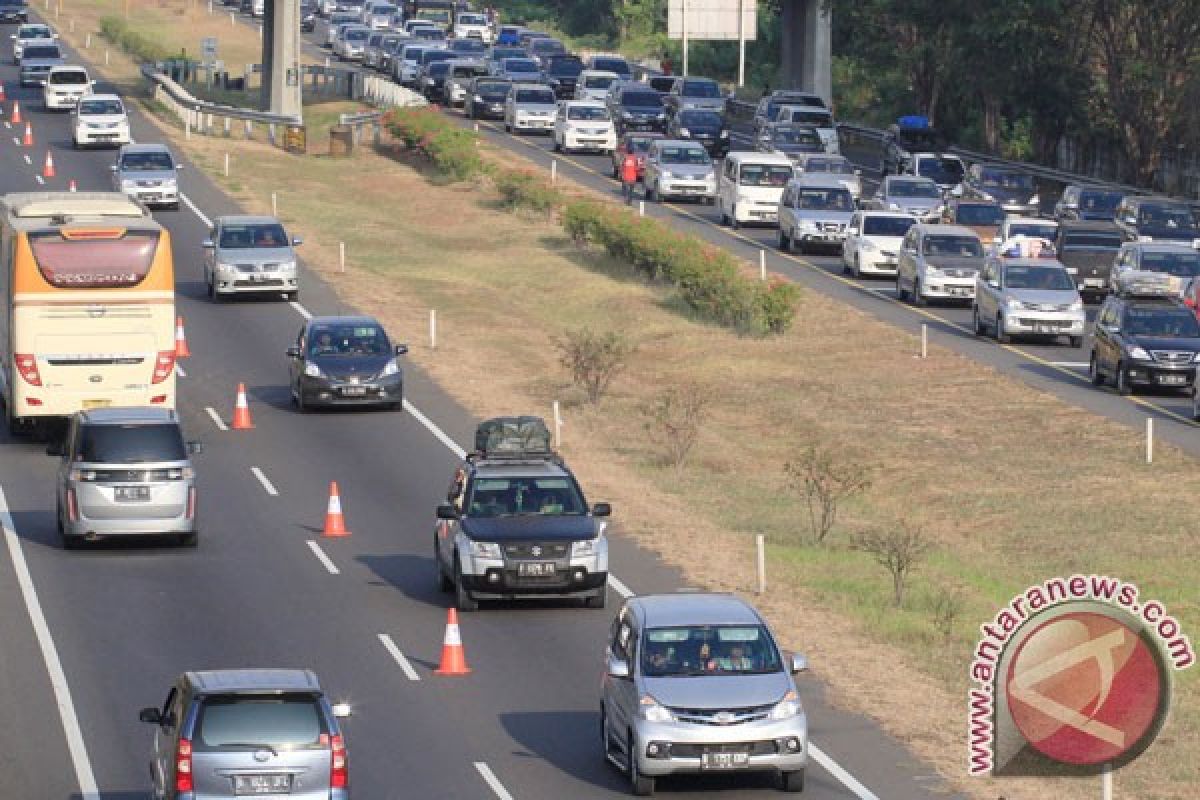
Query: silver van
x=125, y=471
x=149, y=173
x=814, y=212
x=694, y=682
x=228, y=734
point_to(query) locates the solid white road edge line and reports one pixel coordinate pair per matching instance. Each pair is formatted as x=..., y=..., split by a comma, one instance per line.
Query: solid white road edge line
x=216, y=418
x=391, y=647
x=619, y=587
x=324, y=559
x=835, y=769
x=266, y=484
x=492, y=781
x=58, y=678
x=1071, y=364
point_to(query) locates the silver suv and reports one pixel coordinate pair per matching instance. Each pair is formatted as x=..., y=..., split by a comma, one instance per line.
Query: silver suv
x=814, y=212
x=237, y=732
x=252, y=255
x=149, y=173
x=695, y=683
x=678, y=169
x=938, y=262
x=125, y=471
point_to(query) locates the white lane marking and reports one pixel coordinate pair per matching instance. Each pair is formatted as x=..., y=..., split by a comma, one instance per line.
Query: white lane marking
x=835, y=769
x=16, y=141
x=880, y=289
x=619, y=587
x=187, y=201
x=435, y=430
x=8, y=124
x=28, y=160
x=40, y=179
x=216, y=418
x=391, y=647
x=324, y=559
x=1071, y=364
x=301, y=310
x=179, y=369
x=58, y=678
x=266, y=484
x=492, y=781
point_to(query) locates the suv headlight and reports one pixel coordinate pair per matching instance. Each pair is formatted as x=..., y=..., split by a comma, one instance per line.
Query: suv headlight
x=486, y=550
x=651, y=711
x=1035, y=200
x=1076, y=306
x=806, y=224
x=84, y=475
x=390, y=368
x=586, y=547
x=666, y=174
x=1139, y=353
x=867, y=245
x=684, y=132
x=128, y=183
x=476, y=99
x=786, y=708
x=1013, y=303
x=312, y=370
x=227, y=268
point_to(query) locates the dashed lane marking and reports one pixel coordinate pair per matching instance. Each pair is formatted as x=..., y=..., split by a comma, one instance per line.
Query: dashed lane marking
x=330, y=567
x=398, y=656
x=216, y=418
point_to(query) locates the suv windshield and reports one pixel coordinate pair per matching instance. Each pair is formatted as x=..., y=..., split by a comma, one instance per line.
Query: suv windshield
x=87, y=107
x=1032, y=230
x=1097, y=201
x=72, y=77
x=508, y=496
x=251, y=721
x=1165, y=321
x=40, y=51
x=979, y=214
x=818, y=119
x=1091, y=240
x=765, y=175
x=836, y=166
x=961, y=246
x=543, y=97
x=617, y=65
x=520, y=65
x=913, y=189
x=348, y=340
x=131, y=444
x=587, y=113
x=700, y=119
x=1183, y=265
x=598, y=81
x=492, y=88
x=887, y=226
x=791, y=136
x=565, y=68
x=244, y=236
x=825, y=200
x=642, y=99
x=941, y=170
x=700, y=89
x=708, y=650
x=146, y=162
x=1166, y=216
x=1006, y=180
x=1023, y=277
x=684, y=155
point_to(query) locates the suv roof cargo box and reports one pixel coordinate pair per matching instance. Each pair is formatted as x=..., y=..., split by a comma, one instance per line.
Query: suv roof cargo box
x=512, y=437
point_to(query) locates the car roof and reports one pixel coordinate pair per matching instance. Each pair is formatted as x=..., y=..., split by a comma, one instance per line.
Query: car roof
x=822, y=180
x=689, y=143
x=528, y=85
x=1030, y=262
x=693, y=608
x=125, y=415
x=103, y=97
x=873, y=212
x=584, y=104
x=68, y=68
x=1013, y=219
x=222, y=681
x=950, y=230
x=349, y=319
x=1089, y=225
x=531, y=467
x=908, y=179
x=151, y=147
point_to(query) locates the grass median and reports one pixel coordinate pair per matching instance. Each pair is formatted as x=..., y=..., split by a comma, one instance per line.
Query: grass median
x=1007, y=484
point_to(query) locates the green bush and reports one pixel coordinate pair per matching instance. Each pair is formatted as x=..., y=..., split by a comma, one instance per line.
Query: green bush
x=117, y=31
x=522, y=188
x=453, y=150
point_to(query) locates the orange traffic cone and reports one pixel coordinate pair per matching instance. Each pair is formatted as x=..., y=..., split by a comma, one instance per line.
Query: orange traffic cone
x=71, y=188
x=48, y=167
x=454, y=659
x=16, y=113
x=241, y=411
x=181, y=347
x=3, y=99
x=28, y=140
x=335, y=522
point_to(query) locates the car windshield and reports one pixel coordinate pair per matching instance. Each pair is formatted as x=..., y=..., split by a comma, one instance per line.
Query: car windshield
x=492, y=88
x=598, y=81
x=792, y=136
x=887, y=226
x=470, y=46
x=700, y=89
x=919, y=138
x=1100, y=202
x=684, y=155
x=1166, y=322
x=587, y=112
x=639, y=144
x=69, y=78
x=523, y=496
x=565, y=68
x=520, y=65
x=348, y=340
x=146, y=162
x=501, y=53
x=89, y=107
x=941, y=170
x=1180, y=264
x=617, y=65
x=642, y=99
x=818, y=119
x=701, y=119
x=547, y=46
x=913, y=189
x=35, y=32
x=472, y=19
x=836, y=166
x=543, y=97
x=945, y=245
x=131, y=444
x=1166, y=216
x=1000, y=179
x=286, y=720
x=246, y=236
x=1019, y=276
x=765, y=175
x=439, y=68
x=694, y=650
x=383, y=10
x=40, y=51
x=825, y=200
x=978, y=214
x=433, y=56
x=1091, y=240
x=1032, y=230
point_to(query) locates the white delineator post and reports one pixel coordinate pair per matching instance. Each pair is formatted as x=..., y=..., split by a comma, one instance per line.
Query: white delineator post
x=553, y=170
x=227, y=165
x=760, y=561
x=87, y=41
x=683, y=20
x=1106, y=783
x=741, y=43
x=641, y=208
x=557, y=425
x=342, y=256
x=1149, y=440
x=432, y=329
x=274, y=204
x=924, y=340
x=762, y=264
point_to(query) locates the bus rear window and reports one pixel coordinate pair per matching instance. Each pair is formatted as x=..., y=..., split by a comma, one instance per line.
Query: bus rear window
x=89, y=263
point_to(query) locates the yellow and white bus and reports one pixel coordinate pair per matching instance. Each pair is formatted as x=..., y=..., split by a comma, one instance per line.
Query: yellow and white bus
x=88, y=287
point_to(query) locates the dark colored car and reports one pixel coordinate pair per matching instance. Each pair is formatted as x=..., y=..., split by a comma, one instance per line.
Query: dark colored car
x=1014, y=190
x=1087, y=202
x=562, y=73
x=1087, y=250
x=485, y=98
x=704, y=126
x=433, y=80
x=499, y=53
x=345, y=361
x=637, y=107
x=637, y=142
x=13, y=11
x=909, y=135
x=469, y=47
x=697, y=93
x=981, y=216
x=1145, y=341
x=1157, y=219
x=615, y=64
x=661, y=83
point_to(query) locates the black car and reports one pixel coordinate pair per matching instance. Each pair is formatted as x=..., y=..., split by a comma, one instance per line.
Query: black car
x=485, y=98
x=562, y=74
x=433, y=80
x=908, y=135
x=1087, y=202
x=706, y=127
x=1157, y=219
x=1087, y=250
x=345, y=361
x=13, y=11
x=1015, y=191
x=637, y=107
x=1145, y=340
x=661, y=83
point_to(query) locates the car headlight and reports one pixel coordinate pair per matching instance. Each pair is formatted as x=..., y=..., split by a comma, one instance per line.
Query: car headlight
x=476, y=99
x=1076, y=306
x=786, y=708
x=893, y=206
x=1139, y=353
x=1035, y=200
x=684, y=132
x=724, y=134
x=312, y=370
x=666, y=174
x=486, y=550
x=806, y=224
x=626, y=115
x=986, y=196
x=1013, y=303
x=1196, y=359
x=390, y=368
x=170, y=182
x=1142, y=238
x=651, y=711
x=710, y=177
x=586, y=547
x=226, y=267
x=868, y=245
x=287, y=266
x=127, y=183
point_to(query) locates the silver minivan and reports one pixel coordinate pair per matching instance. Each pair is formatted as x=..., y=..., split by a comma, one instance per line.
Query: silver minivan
x=814, y=212
x=232, y=733
x=247, y=254
x=149, y=173
x=694, y=682
x=125, y=471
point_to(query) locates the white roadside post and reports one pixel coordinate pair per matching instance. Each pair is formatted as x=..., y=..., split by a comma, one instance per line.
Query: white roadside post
x=432, y=329
x=106, y=58
x=741, y=12
x=924, y=340
x=553, y=170
x=232, y=20
x=760, y=561
x=1149, y=440
x=641, y=208
x=342, y=256
x=87, y=41
x=274, y=204
x=227, y=165
x=762, y=264
x=1106, y=783
x=558, y=423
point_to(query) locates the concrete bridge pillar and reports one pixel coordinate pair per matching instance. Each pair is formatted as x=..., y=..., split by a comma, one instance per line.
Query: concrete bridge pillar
x=806, y=61
x=282, y=82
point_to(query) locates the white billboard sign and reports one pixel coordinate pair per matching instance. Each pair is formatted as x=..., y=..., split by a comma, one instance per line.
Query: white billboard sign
x=712, y=19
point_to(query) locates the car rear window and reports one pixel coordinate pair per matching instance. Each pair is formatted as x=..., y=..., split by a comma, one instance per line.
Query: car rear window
x=100, y=107
x=617, y=65
x=235, y=721
x=887, y=226
x=1091, y=241
x=105, y=259
x=41, y=51
x=131, y=444
x=642, y=99
x=544, y=97
x=701, y=89
x=520, y=65
x=75, y=77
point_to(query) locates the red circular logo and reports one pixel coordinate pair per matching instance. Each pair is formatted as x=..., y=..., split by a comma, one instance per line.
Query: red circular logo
x=1085, y=689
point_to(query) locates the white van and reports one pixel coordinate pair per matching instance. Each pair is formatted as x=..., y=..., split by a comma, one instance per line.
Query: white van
x=751, y=186
x=593, y=84
x=65, y=86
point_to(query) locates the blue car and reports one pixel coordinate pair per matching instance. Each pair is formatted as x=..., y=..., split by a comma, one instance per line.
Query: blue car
x=509, y=34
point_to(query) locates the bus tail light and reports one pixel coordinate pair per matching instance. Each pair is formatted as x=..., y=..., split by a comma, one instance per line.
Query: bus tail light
x=27, y=366
x=163, y=365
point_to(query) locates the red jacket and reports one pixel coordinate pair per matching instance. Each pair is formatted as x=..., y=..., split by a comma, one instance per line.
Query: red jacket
x=629, y=168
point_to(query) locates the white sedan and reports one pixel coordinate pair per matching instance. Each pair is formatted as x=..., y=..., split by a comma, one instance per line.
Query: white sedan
x=584, y=125
x=872, y=242
x=100, y=119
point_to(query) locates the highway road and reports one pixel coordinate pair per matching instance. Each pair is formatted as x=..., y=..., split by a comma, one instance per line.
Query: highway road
x=90, y=637
x=1053, y=367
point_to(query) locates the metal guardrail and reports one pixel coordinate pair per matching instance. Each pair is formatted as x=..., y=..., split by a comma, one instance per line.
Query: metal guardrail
x=196, y=112
x=380, y=91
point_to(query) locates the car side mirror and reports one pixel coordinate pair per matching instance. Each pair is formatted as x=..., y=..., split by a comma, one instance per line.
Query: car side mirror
x=151, y=716
x=601, y=510
x=207, y=244
x=447, y=512
x=401, y=349
x=799, y=663
x=178, y=167
x=618, y=668
x=297, y=241
x=341, y=710
x=293, y=352
x=112, y=168
x=55, y=447
x=992, y=282
x=195, y=447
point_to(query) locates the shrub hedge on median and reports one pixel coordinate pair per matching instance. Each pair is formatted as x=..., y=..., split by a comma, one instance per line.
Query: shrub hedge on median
x=452, y=150
x=522, y=188
x=117, y=31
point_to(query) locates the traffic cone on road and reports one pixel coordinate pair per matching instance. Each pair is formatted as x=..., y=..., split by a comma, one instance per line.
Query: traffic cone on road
x=15, y=117
x=28, y=140
x=335, y=522
x=454, y=659
x=241, y=411
x=48, y=168
x=181, y=347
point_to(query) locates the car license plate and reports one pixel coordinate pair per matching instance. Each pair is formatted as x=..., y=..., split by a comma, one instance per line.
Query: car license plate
x=960, y=291
x=1172, y=380
x=99, y=402
x=1093, y=282
x=724, y=760
x=1045, y=328
x=261, y=784
x=354, y=391
x=535, y=569
x=132, y=494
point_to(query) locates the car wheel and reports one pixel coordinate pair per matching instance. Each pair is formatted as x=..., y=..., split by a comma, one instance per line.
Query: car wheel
x=1001, y=335
x=444, y=584
x=792, y=781
x=557, y=146
x=1123, y=385
x=597, y=600
x=301, y=406
x=901, y=292
x=785, y=242
x=507, y=127
x=188, y=539
x=1094, y=374
x=463, y=600
x=1076, y=341
x=641, y=785
x=977, y=323
x=857, y=267
x=918, y=299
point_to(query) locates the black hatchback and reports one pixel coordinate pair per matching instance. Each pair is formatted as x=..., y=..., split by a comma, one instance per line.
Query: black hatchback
x=1145, y=341
x=345, y=361
x=704, y=126
x=637, y=107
